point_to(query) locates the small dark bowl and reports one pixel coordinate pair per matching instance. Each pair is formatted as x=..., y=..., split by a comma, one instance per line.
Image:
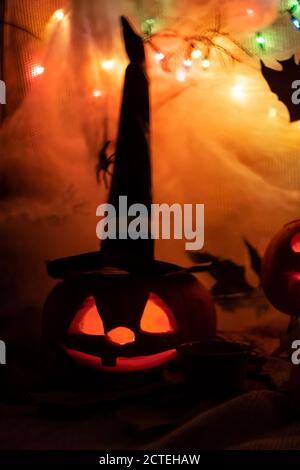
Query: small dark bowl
x=214, y=368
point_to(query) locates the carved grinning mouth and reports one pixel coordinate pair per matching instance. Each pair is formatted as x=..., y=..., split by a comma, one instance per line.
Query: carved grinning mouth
x=123, y=364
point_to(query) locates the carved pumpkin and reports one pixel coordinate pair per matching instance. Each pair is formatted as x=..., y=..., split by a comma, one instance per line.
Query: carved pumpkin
x=124, y=322
x=281, y=269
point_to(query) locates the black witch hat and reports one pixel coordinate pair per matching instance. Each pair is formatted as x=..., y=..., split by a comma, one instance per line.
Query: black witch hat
x=131, y=178
x=132, y=170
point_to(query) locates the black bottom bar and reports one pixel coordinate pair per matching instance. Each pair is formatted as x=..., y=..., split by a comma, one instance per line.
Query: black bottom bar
x=138, y=459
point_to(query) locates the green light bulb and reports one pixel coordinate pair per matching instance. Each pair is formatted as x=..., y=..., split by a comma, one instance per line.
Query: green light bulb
x=295, y=10
x=148, y=25
x=260, y=39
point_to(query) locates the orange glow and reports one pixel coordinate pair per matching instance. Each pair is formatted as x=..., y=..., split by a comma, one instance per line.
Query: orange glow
x=87, y=321
x=157, y=317
x=296, y=243
x=121, y=335
x=123, y=364
x=37, y=70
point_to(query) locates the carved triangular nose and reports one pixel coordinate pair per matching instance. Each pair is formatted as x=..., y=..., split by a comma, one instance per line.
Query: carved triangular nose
x=121, y=336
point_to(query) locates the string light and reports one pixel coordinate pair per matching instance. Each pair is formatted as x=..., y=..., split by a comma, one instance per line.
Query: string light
x=148, y=26
x=37, y=70
x=295, y=22
x=272, y=113
x=205, y=63
x=159, y=56
x=59, y=14
x=188, y=63
x=108, y=64
x=294, y=11
x=294, y=8
x=97, y=93
x=196, y=54
x=260, y=40
x=238, y=92
x=181, y=76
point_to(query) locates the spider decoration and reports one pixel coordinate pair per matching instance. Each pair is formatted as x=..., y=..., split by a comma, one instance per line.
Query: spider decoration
x=104, y=164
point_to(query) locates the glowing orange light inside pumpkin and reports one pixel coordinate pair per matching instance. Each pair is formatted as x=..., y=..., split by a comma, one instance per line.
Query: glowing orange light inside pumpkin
x=295, y=243
x=157, y=317
x=87, y=320
x=124, y=364
x=121, y=335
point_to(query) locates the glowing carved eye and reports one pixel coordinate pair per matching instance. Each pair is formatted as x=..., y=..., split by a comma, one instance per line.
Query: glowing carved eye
x=157, y=317
x=87, y=320
x=295, y=243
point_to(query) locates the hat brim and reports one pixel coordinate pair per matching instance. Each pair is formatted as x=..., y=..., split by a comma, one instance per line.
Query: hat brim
x=109, y=264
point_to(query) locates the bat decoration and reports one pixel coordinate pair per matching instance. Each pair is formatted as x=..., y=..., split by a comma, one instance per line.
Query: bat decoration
x=286, y=85
x=255, y=258
x=230, y=277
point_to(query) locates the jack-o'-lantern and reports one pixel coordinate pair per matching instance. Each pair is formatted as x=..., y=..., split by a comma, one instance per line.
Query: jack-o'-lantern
x=119, y=309
x=281, y=269
x=125, y=322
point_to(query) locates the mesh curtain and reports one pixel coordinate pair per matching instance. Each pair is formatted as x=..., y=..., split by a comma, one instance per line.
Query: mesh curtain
x=23, y=24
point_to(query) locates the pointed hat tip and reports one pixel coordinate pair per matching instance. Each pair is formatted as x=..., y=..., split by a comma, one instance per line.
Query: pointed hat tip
x=124, y=21
x=126, y=25
x=133, y=42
